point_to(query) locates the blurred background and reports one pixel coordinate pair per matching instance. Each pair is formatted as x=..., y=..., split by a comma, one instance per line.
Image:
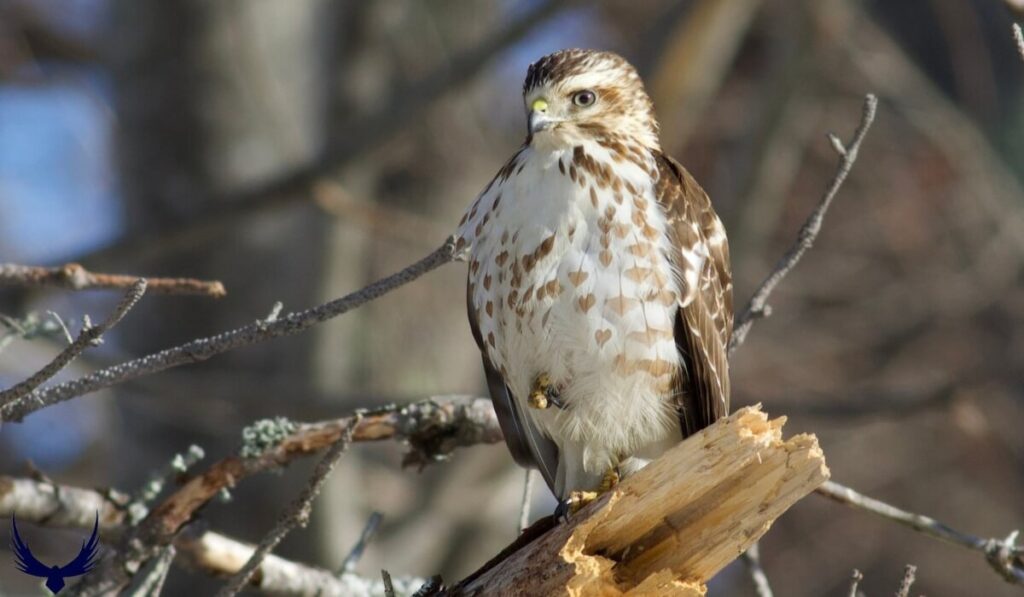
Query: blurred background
x=298, y=150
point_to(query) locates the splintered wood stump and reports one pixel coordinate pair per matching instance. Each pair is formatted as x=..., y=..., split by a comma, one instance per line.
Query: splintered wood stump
x=670, y=527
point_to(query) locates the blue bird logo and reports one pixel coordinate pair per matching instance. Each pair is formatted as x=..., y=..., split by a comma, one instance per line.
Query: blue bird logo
x=55, y=575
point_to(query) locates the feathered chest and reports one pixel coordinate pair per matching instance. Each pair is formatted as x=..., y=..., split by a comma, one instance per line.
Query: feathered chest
x=568, y=269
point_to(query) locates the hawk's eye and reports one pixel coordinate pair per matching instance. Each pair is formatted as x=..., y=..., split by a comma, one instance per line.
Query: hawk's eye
x=584, y=98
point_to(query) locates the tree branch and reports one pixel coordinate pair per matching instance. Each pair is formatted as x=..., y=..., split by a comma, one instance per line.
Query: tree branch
x=50, y=505
x=296, y=515
x=89, y=336
x=758, y=306
x=1018, y=36
x=1003, y=555
x=204, y=348
x=73, y=276
x=671, y=526
x=432, y=428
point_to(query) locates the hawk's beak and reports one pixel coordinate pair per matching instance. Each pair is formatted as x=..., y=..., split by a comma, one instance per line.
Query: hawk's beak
x=539, y=119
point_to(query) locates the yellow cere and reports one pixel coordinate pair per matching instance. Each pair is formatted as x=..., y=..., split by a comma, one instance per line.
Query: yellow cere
x=539, y=105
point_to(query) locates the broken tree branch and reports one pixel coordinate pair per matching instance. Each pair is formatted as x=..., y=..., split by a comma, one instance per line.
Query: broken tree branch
x=73, y=276
x=204, y=348
x=674, y=524
x=89, y=336
x=758, y=306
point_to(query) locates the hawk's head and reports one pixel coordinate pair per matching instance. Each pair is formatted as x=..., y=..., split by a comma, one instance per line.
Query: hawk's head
x=578, y=94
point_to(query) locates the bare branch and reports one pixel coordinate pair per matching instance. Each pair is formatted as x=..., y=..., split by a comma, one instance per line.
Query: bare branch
x=909, y=575
x=855, y=582
x=524, y=508
x=1018, y=36
x=389, y=587
x=1003, y=555
x=758, y=306
x=431, y=428
x=296, y=515
x=43, y=503
x=73, y=276
x=89, y=336
x=204, y=348
x=369, y=531
x=150, y=580
x=752, y=558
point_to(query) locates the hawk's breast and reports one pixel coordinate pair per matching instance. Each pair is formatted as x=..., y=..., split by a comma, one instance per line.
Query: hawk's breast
x=569, y=277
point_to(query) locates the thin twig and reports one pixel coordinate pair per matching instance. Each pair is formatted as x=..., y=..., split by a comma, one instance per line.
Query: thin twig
x=1018, y=36
x=524, y=507
x=296, y=515
x=89, y=336
x=1002, y=554
x=758, y=306
x=204, y=348
x=73, y=276
x=389, y=586
x=369, y=531
x=855, y=582
x=149, y=581
x=752, y=558
x=909, y=575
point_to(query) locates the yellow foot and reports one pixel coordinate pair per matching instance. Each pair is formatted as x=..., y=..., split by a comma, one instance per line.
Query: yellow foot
x=542, y=388
x=578, y=499
x=610, y=480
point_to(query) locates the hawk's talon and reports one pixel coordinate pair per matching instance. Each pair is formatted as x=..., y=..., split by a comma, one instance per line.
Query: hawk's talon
x=580, y=499
x=543, y=394
x=609, y=481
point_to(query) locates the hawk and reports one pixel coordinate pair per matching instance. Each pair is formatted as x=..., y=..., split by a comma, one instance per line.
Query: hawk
x=599, y=288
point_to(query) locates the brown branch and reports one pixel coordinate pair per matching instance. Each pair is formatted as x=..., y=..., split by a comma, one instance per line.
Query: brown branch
x=758, y=306
x=72, y=276
x=89, y=336
x=671, y=526
x=296, y=515
x=432, y=429
x=64, y=506
x=1003, y=555
x=204, y=348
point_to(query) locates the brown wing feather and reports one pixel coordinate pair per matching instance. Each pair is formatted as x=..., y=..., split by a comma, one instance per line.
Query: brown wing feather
x=529, y=447
x=704, y=322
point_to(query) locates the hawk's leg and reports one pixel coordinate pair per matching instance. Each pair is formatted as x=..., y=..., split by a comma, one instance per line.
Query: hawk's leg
x=544, y=393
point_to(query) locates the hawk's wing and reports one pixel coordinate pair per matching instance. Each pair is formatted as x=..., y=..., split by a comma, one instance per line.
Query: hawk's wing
x=529, y=447
x=704, y=321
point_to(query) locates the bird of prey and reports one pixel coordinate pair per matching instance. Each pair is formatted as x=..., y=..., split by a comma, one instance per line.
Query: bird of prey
x=599, y=289
x=84, y=562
